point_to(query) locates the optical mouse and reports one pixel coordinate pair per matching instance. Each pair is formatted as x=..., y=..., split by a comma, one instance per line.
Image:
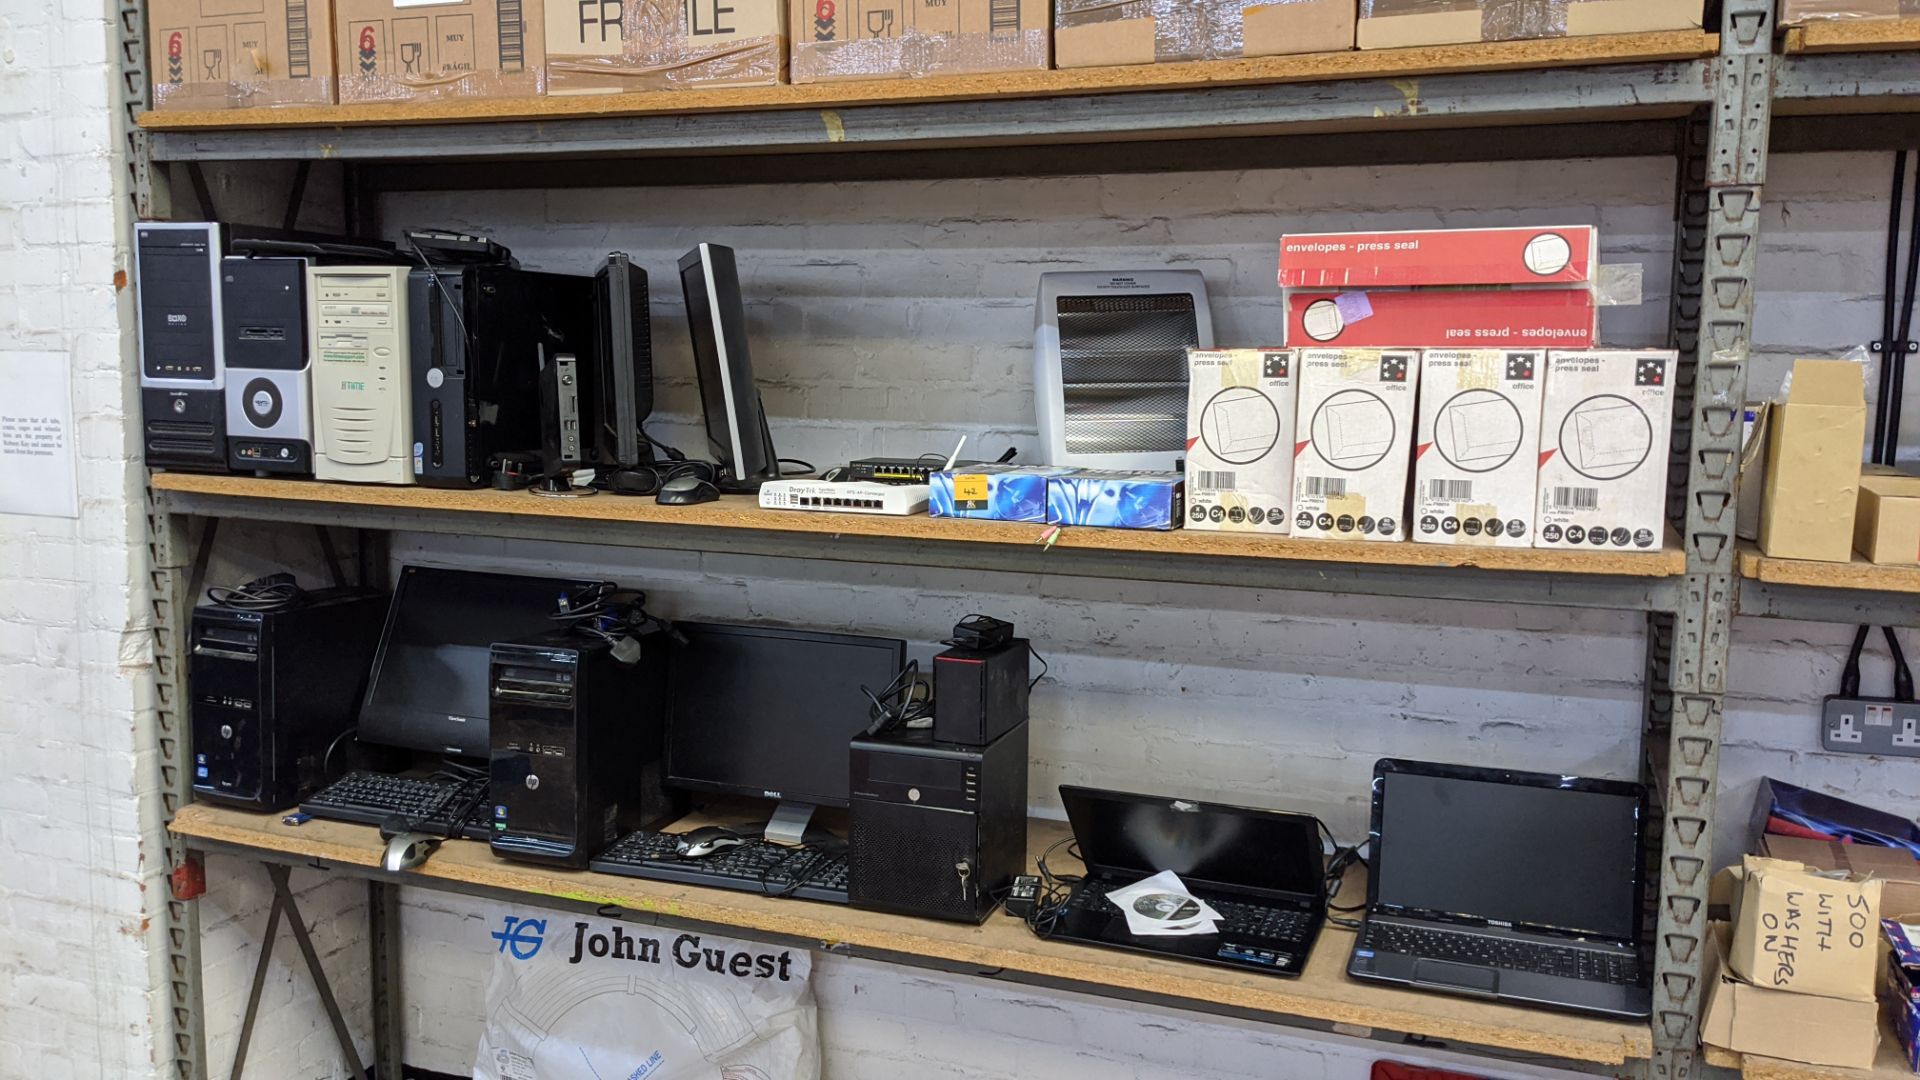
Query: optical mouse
x=407, y=850
x=686, y=491
x=707, y=840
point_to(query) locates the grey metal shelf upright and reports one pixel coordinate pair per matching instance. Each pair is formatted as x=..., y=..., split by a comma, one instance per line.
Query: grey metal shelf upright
x=1715, y=112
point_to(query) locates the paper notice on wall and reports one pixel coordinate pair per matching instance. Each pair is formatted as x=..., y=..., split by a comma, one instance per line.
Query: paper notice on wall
x=37, y=436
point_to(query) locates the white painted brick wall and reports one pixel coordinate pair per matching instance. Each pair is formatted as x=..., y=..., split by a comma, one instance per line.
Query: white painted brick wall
x=78, y=963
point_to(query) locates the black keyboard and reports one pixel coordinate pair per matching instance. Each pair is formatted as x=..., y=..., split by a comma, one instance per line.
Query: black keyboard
x=1485, y=950
x=755, y=866
x=1239, y=919
x=429, y=803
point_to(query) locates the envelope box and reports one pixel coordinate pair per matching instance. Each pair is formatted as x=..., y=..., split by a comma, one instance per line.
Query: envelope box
x=1395, y=24
x=403, y=50
x=1353, y=442
x=993, y=492
x=1116, y=500
x=1536, y=255
x=1749, y=1019
x=1240, y=425
x=1477, y=453
x=1815, y=440
x=1886, y=522
x=209, y=54
x=1461, y=318
x=1895, y=868
x=1605, y=427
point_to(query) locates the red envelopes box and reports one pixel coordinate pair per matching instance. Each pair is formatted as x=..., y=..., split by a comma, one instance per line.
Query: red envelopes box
x=1466, y=318
x=1540, y=255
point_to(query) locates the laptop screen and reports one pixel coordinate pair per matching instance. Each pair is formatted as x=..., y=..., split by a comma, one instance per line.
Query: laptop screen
x=1509, y=847
x=1202, y=842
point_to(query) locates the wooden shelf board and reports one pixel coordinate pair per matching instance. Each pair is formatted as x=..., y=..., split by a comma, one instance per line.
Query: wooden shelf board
x=741, y=512
x=1858, y=574
x=1889, y=1064
x=1854, y=35
x=1314, y=67
x=1323, y=994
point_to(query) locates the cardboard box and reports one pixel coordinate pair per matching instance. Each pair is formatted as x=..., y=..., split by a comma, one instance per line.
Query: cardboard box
x=1814, y=444
x=1476, y=456
x=615, y=46
x=1886, y=524
x=1466, y=318
x=1398, y=24
x=1112, y=499
x=1240, y=424
x=1903, y=961
x=239, y=54
x=1895, y=868
x=1799, y=931
x=994, y=492
x=1539, y=255
x=1605, y=428
x=1753, y=468
x=1099, y=33
x=406, y=50
x=1906, y=1028
x=1748, y=1019
x=1353, y=442
x=836, y=40
x=1794, y=12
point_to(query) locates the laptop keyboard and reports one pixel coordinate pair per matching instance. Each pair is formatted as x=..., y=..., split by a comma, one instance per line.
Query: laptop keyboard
x=1238, y=919
x=1587, y=965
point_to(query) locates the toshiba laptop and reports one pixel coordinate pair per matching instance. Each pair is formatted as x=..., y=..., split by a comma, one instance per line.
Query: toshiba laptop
x=1520, y=887
x=1260, y=869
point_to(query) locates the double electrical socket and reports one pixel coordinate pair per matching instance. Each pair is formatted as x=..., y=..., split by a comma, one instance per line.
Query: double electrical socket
x=1880, y=726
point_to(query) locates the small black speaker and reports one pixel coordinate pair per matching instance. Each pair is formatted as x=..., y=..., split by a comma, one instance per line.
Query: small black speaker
x=979, y=694
x=937, y=829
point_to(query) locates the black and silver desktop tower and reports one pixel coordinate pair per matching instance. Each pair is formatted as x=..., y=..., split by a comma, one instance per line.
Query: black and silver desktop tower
x=477, y=333
x=273, y=690
x=268, y=415
x=579, y=746
x=937, y=829
x=182, y=355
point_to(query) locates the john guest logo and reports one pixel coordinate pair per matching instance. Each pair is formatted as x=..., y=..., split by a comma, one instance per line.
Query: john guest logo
x=523, y=937
x=687, y=952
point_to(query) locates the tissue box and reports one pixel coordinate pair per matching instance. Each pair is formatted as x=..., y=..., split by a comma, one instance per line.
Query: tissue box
x=993, y=492
x=1116, y=500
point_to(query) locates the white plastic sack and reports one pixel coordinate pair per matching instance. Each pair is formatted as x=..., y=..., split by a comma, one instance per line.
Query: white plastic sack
x=587, y=999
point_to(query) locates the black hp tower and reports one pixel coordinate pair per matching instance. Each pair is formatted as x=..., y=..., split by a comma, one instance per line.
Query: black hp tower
x=579, y=745
x=273, y=690
x=183, y=374
x=937, y=828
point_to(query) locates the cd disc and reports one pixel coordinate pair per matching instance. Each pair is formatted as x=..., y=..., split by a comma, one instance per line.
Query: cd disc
x=1166, y=907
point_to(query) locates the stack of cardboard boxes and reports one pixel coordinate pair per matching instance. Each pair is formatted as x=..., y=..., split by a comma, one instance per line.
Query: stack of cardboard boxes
x=1800, y=12
x=1397, y=24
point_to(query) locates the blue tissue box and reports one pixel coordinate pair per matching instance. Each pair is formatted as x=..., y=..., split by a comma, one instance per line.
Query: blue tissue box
x=1117, y=500
x=994, y=492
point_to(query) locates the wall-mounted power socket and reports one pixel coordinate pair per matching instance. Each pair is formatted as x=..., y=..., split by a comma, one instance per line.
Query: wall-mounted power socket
x=1871, y=726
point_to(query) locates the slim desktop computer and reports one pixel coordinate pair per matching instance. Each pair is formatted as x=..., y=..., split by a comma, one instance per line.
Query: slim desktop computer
x=579, y=742
x=362, y=396
x=182, y=355
x=268, y=416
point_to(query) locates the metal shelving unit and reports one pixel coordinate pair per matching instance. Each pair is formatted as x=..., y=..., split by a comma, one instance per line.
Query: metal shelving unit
x=1713, y=106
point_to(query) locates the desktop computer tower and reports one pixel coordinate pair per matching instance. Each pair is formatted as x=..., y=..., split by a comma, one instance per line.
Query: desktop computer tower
x=937, y=829
x=268, y=417
x=477, y=334
x=578, y=746
x=362, y=396
x=272, y=691
x=182, y=362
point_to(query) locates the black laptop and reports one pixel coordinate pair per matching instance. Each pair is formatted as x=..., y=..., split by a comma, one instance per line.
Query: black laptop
x=1260, y=869
x=1520, y=887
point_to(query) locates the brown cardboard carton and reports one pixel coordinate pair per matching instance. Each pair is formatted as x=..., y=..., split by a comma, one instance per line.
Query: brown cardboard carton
x=1886, y=527
x=417, y=50
x=236, y=54
x=611, y=46
x=1742, y=1017
x=1804, y=11
x=1814, y=442
x=839, y=40
x=1396, y=24
x=1797, y=931
x=1896, y=870
x=1098, y=33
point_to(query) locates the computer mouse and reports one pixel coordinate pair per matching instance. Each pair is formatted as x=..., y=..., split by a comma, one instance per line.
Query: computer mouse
x=686, y=491
x=707, y=840
x=407, y=850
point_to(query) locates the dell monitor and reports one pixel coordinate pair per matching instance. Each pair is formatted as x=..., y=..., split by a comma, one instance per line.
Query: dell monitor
x=736, y=422
x=768, y=712
x=623, y=364
x=428, y=691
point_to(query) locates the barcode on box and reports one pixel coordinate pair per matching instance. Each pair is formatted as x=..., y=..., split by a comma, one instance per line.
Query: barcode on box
x=1003, y=16
x=1326, y=485
x=1216, y=480
x=1459, y=490
x=1574, y=498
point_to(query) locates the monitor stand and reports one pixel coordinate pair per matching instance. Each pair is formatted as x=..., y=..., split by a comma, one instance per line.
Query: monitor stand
x=750, y=485
x=788, y=826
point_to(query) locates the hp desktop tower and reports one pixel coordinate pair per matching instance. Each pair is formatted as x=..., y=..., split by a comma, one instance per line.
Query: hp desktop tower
x=268, y=416
x=362, y=396
x=477, y=335
x=272, y=691
x=937, y=829
x=182, y=363
x=579, y=746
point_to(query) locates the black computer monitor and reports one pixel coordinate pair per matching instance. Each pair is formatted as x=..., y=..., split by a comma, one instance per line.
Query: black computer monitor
x=429, y=685
x=624, y=363
x=768, y=712
x=736, y=422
